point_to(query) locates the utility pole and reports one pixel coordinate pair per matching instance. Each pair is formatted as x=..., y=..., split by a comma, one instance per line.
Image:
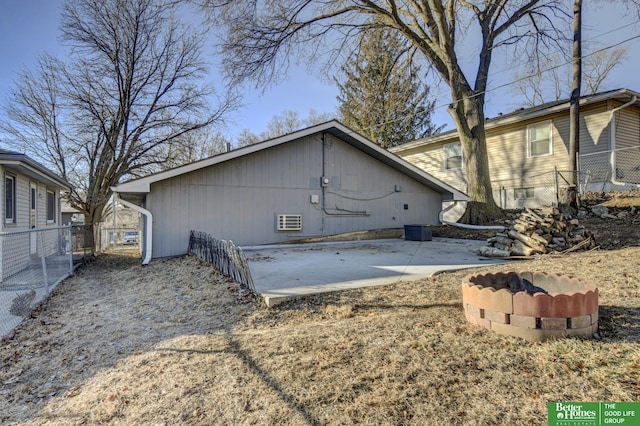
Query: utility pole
x=574, y=106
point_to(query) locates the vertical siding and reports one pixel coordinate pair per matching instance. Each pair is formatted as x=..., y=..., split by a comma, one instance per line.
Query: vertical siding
x=240, y=199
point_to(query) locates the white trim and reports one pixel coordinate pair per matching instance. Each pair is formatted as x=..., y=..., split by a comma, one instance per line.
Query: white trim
x=148, y=230
x=143, y=185
x=444, y=156
x=50, y=221
x=14, y=188
x=549, y=124
x=516, y=117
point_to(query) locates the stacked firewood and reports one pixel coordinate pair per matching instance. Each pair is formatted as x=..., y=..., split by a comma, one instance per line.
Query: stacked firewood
x=539, y=231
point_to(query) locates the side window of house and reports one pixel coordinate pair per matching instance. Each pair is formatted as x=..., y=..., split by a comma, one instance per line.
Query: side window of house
x=452, y=156
x=51, y=207
x=9, y=199
x=539, y=139
x=523, y=193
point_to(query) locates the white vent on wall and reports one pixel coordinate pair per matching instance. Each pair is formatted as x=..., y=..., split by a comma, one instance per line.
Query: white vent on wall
x=289, y=222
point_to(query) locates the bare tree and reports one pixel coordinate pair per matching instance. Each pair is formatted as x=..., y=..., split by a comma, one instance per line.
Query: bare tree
x=597, y=66
x=247, y=137
x=549, y=79
x=261, y=37
x=127, y=97
x=288, y=121
x=542, y=80
x=194, y=146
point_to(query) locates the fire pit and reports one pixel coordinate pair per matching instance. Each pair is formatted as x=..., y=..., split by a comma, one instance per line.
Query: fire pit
x=533, y=305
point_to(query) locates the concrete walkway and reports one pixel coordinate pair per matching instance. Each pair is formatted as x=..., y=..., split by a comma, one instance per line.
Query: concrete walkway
x=283, y=272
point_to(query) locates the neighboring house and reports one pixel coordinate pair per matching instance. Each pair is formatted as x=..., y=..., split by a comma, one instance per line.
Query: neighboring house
x=70, y=215
x=323, y=180
x=31, y=195
x=525, y=147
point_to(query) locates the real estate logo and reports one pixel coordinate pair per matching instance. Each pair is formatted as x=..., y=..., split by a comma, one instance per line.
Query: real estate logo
x=593, y=413
x=574, y=413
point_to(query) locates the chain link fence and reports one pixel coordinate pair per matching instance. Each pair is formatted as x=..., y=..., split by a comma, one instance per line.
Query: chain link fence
x=32, y=263
x=110, y=237
x=542, y=189
x=606, y=171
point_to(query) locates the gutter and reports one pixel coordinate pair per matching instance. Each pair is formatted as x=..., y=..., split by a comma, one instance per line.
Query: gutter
x=148, y=228
x=612, y=126
x=464, y=225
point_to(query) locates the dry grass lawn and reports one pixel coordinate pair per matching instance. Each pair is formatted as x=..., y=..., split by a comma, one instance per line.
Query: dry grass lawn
x=175, y=343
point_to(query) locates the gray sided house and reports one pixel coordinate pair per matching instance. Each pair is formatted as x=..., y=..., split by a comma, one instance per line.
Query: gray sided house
x=525, y=148
x=323, y=180
x=31, y=195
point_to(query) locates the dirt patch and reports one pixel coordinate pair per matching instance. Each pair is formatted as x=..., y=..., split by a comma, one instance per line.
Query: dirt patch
x=175, y=343
x=619, y=228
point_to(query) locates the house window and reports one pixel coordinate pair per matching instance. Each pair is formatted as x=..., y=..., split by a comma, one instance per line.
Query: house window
x=51, y=207
x=9, y=199
x=539, y=139
x=523, y=193
x=452, y=156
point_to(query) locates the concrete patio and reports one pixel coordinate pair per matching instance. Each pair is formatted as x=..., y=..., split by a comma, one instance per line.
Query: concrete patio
x=283, y=272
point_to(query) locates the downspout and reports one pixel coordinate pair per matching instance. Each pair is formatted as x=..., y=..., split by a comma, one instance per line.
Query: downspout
x=612, y=130
x=148, y=227
x=464, y=225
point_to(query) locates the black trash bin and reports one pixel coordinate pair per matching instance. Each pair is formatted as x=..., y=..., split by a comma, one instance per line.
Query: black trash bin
x=417, y=232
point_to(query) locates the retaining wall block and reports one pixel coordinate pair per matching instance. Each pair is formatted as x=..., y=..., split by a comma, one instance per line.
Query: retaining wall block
x=494, y=316
x=540, y=335
x=553, y=323
x=581, y=321
x=478, y=321
x=520, y=321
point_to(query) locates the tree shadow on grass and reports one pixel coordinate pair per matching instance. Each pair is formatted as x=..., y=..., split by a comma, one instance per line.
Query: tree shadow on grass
x=261, y=373
x=371, y=306
x=619, y=323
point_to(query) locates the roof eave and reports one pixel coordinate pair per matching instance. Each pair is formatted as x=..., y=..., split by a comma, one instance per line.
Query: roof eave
x=143, y=185
x=515, y=118
x=32, y=169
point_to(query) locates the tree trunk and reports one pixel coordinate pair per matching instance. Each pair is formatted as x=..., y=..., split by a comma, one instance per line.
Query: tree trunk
x=93, y=217
x=468, y=115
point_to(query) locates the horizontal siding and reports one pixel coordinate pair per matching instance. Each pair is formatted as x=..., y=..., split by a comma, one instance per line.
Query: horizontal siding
x=16, y=249
x=431, y=160
x=23, y=190
x=508, y=160
x=627, y=145
x=507, y=151
x=594, y=129
x=627, y=128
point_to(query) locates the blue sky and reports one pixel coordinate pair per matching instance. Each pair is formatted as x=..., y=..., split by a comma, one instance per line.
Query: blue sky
x=30, y=27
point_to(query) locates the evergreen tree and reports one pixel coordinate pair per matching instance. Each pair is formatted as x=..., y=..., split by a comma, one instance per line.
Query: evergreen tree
x=382, y=95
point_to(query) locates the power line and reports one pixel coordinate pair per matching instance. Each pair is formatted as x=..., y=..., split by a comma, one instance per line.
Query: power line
x=436, y=107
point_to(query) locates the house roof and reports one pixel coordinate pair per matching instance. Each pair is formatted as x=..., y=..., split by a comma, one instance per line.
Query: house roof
x=24, y=164
x=522, y=114
x=335, y=128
